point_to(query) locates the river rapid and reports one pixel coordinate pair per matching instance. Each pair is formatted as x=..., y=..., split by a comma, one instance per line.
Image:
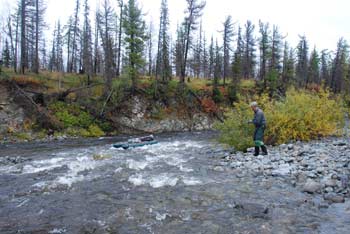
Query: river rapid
x=180, y=185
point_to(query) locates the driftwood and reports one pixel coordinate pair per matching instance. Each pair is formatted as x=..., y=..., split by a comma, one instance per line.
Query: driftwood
x=46, y=118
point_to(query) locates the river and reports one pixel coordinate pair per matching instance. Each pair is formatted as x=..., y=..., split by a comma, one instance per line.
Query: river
x=176, y=186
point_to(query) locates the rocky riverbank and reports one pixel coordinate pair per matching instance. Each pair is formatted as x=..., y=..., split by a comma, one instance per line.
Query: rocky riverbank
x=319, y=167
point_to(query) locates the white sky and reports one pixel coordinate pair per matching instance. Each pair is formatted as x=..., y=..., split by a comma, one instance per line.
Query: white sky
x=322, y=21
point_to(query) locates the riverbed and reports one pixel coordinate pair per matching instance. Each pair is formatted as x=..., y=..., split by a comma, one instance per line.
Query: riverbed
x=183, y=184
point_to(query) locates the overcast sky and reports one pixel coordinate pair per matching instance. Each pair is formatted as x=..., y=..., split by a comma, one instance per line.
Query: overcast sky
x=322, y=21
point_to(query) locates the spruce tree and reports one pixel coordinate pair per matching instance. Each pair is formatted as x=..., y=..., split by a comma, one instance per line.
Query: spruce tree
x=227, y=34
x=302, y=61
x=339, y=66
x=249, y=55
x=265, y=51
x=314, y=68
x=6, y=55
x=106, y=25
x=325, y=68
x=135, y=36
x=87, y=65
x=163, y=68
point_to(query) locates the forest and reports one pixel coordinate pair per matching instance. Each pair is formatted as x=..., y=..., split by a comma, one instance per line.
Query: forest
x=116, y=45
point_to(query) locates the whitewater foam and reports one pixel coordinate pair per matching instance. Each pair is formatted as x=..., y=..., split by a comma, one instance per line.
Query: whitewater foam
x=137, y=165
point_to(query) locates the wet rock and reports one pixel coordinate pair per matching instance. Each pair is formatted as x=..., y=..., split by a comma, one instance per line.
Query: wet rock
x=236, y=164
x=311, y=186
x=283, y=170
x=219, y=169
x=290, y=147
x=339, y=143
x=320, y=170
x=253, y=210
x=328, y=189
x=335, y=198
x=312, y=175
x=250, y=150
x=329, y=182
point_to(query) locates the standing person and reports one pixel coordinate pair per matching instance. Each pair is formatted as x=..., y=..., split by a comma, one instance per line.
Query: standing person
x=259, y=122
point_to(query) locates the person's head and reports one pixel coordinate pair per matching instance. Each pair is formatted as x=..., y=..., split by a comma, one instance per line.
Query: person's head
x=254, y=106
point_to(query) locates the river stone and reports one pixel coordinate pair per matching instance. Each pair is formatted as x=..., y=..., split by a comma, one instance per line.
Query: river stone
x=253, y=210
x=329, y=182
x=236, y=164
x=311, y=175
x=320, y=170
x=340, y=143
x=219, y=169
x=290, y=146
x=335, y=198
x=328, y=189
x=283, y=170
x=311, y=186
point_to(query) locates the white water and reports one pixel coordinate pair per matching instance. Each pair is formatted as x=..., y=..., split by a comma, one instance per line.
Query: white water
x=163, y=164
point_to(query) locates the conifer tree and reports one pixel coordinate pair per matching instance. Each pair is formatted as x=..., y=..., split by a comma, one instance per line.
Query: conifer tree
x=302, y=61
x=6, y=55
x=227, y=34
x=325, y=73
x=87, y=65
x=314, y=68
x=237, y=64
x=163, y=68
x=193, y=12
x=249, y=56
x=119, y=48
x=288, y=66
x=339, y=67
x=265, y=50
x=106, y=26
x=135, y=36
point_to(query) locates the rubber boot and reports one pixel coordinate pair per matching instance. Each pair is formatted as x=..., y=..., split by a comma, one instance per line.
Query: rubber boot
x=264, y=150
x=256, y=153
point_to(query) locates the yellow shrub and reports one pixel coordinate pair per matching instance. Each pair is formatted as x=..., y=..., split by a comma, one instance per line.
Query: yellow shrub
x=302, y=115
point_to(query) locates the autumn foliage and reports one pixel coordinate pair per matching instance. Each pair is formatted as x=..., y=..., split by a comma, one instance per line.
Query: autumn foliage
x=301, y=115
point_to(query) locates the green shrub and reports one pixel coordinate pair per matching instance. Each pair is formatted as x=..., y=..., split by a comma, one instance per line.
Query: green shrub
x=217, y=95
x=302, y=115
x=76, y=121
x=232, y=93
x=95, y=131
x=235, y=131
x=22, y=136
x=71, y=115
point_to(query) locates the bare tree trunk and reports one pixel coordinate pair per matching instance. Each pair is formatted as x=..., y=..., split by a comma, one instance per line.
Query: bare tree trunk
x=11, y=36
x=23, y=36
x=120, y=36
x=16, y=44
x=36, y=59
